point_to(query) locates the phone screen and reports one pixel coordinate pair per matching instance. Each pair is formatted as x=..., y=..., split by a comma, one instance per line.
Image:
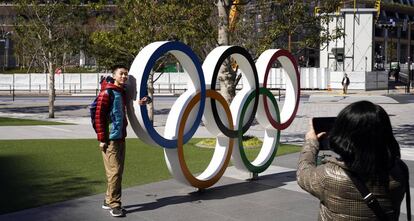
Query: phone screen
x=323, y=124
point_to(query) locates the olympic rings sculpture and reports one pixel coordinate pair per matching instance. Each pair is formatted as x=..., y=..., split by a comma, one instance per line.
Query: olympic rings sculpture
x=198, y=103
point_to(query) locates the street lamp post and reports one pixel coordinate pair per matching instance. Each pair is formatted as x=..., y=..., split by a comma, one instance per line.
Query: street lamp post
x=409, y=75
x=6, y=50
x=409, y=57
x=3, y=40
x=387, y=27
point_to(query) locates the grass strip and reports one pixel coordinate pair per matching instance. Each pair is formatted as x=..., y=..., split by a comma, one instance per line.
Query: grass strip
x=8, y=121
x=248, y=142
x=40, y=172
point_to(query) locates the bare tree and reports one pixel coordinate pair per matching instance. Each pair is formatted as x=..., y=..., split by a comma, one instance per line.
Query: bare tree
x=49, y=29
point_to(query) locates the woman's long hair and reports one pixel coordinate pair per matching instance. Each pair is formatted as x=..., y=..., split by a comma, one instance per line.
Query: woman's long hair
x=362, y=136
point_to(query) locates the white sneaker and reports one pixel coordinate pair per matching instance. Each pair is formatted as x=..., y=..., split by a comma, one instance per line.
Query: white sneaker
x=105, y=206
x=117, y=212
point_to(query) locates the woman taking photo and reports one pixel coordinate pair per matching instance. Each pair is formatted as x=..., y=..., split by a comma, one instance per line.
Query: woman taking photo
x=369, y=158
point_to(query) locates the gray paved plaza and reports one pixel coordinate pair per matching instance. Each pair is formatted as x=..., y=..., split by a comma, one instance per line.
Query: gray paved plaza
x=274, y=196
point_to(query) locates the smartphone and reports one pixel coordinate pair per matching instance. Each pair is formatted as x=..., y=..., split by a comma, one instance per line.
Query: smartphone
x=323, y=124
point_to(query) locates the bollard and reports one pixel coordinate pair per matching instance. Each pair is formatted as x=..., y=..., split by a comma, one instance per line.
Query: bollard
x=40, y=89
x=253, y=176
x=388, y=85
x=279, y=94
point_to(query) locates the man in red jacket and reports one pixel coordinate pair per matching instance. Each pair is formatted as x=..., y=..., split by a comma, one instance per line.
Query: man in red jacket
x=110, y=123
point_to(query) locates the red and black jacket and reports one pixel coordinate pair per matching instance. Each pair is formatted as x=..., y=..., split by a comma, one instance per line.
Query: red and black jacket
x=110, y=116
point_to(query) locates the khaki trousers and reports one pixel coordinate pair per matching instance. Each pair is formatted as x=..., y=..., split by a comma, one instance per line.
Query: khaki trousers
x=114, y=159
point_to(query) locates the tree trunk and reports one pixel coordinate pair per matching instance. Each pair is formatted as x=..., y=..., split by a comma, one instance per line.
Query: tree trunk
x=226, y=76
x=223, y=27
x=150, y=90
x=290, y=42
x=51, y=88
x=227, y=84
x=51, y=81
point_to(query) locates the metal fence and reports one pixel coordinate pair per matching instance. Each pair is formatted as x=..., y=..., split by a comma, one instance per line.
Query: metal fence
x=174, y=83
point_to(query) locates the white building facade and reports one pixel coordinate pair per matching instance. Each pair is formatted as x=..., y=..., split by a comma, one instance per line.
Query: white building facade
x=353, y=54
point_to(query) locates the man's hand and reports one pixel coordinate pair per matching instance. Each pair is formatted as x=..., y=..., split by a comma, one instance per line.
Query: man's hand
x=145, y=100
x=103, y=146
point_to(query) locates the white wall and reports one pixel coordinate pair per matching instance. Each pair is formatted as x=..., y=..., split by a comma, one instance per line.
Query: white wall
x=314, y=78
x=373, y=80
x=35, y=82
x=310, y=78
x=357, y=80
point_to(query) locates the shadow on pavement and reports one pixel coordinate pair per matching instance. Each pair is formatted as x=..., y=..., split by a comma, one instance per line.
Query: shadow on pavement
x=25, y=186
x=394, y=85
x=402, y=98
x=220, y=192
x=163, y=111
x=404, y=135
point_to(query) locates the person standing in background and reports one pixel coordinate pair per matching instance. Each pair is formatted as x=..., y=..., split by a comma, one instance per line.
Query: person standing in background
x=345, y=84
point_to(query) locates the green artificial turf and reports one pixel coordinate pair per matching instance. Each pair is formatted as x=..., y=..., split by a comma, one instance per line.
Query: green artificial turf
x=248, y=142
x=7, y=121
x=39, y=172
